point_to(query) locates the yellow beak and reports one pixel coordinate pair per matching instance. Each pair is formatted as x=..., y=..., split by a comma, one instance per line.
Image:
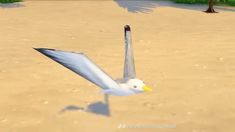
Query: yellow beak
x=146, y=89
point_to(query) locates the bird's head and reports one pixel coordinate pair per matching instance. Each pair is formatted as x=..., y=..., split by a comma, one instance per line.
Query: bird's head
x=137, y=85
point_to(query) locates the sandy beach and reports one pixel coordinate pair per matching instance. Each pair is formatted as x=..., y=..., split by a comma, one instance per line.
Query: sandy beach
x=185, y=55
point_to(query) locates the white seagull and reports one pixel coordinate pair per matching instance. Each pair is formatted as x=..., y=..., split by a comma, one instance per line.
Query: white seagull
x=83, y=66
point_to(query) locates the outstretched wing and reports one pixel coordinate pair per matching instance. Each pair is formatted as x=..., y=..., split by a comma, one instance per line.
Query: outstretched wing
x=129, y=65
x=82, y=65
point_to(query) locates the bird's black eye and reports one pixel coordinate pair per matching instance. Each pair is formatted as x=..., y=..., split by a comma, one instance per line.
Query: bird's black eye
x=135, y=86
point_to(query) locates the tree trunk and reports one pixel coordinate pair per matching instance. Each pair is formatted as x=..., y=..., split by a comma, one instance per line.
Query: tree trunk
x=210, y=7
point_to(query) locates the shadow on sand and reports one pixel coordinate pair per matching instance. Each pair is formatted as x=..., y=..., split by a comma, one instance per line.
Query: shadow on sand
x=137, y=6
x=99, y=107
x=11, y=5
x=147, y=6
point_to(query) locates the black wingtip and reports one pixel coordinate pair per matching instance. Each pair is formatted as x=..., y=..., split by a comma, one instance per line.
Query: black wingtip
x=38, y=49
x=127, y=28
x=42, y=49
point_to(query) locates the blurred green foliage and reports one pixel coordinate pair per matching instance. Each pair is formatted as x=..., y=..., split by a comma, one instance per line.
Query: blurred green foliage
x=9, y=1
x=228, y=2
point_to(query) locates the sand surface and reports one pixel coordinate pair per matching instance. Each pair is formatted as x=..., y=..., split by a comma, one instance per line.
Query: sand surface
x=185, y=55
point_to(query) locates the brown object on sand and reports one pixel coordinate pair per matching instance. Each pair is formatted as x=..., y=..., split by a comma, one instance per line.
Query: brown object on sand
x=211, y=7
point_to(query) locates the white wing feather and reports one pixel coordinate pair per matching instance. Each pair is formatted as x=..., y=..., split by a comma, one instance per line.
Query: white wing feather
x=129, y=65
x=82, y=65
